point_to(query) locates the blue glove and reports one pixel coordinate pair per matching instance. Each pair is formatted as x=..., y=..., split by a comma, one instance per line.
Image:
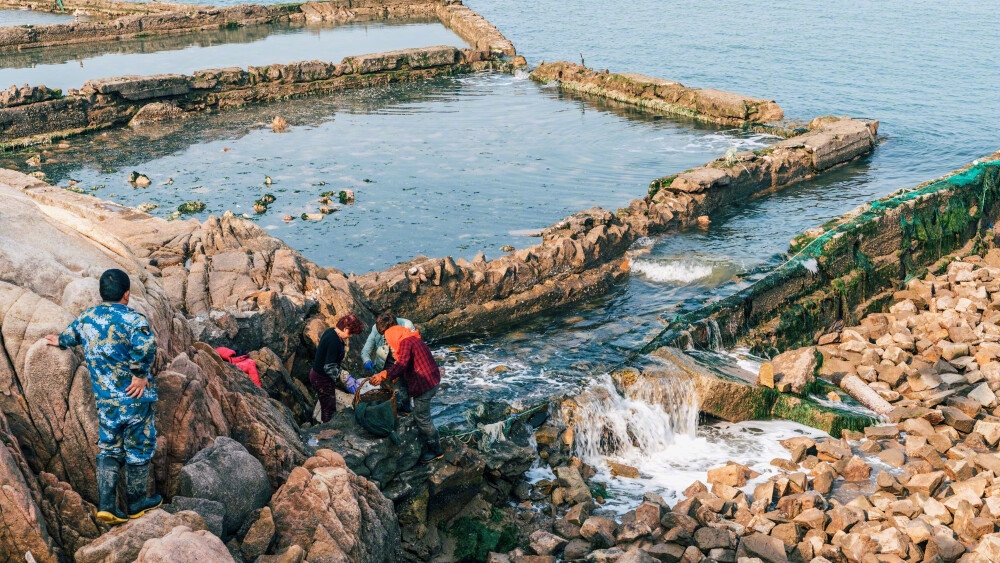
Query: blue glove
x=369, y=366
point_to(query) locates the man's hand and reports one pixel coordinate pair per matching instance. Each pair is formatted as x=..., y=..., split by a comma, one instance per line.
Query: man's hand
x=137, y=388
x=378, y=378
x=52, y=339
x=369, y=365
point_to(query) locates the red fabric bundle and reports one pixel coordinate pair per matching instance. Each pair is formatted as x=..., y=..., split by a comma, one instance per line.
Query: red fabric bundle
x=244, y=363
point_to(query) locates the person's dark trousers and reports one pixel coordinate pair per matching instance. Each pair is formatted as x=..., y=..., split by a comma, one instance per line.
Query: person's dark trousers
x=422, y=416
x=326, y=388
x=403, y=405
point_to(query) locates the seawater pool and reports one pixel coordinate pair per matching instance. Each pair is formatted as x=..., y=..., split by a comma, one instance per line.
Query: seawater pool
x=69, y=66
x=12, y=17
x=444, y=167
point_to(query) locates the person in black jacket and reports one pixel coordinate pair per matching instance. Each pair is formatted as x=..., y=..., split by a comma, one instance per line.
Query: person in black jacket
x=330, y=355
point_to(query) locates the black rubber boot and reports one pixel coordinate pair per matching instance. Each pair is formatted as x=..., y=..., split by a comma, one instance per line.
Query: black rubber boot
x=433, y=452
x=107, y=489
x=135, y=491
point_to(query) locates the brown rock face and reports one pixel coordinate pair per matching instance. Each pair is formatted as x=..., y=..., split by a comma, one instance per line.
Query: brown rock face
x=22, y=528
x=183, y=544
x=124, y=542
x=329, y=511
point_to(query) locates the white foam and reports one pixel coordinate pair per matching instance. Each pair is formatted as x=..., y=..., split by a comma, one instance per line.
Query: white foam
x=811, y=265
x=669, y=471
x=677, y=272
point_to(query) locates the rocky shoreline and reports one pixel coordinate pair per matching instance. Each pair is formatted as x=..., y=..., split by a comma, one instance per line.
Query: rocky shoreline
x=920, y=487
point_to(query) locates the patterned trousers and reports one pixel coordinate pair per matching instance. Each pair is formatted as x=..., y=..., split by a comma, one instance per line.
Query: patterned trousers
x=127, y=431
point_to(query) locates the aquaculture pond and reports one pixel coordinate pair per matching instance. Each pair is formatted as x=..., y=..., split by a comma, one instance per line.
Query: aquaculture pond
x=445, y=167
x=34, y=17
x=69, y=66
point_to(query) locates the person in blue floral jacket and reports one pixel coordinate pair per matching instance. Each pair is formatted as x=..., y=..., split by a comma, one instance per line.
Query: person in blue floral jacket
x=119, y=348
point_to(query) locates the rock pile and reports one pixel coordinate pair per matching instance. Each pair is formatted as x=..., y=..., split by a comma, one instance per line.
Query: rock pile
x=922, y=488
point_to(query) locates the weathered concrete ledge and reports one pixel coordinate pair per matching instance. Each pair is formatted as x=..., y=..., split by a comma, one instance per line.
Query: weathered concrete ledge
x=709, y=105
x=101, y=8
x=584, y=254
x=166, y=18
x=36, y=115
x=853, y=265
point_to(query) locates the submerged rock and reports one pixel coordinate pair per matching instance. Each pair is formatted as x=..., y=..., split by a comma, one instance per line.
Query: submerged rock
x=191, y=207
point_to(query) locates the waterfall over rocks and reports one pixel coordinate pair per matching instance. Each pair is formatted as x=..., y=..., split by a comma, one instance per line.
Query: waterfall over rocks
x=644, y=418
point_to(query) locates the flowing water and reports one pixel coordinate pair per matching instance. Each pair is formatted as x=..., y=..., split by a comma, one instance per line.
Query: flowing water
x=509, y=156
x=70, y=66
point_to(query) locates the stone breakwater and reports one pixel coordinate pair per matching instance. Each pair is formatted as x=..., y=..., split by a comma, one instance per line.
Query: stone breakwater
x=584, y=254
x=702, y=104
x=853, y=264
x=921, y=488
x=34, y=115
x=142, y=19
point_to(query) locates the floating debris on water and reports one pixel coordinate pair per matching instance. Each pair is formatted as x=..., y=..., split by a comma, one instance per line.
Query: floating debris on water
x=168, y=182
x=268, y=199
x=260, y=206
x=146, y=207
x=268, y=181
x=279, y=124
x=312, y=216
x=174, y=215
x=289, y=218
x=346, y=197
x=326, y=209
x=507, y=248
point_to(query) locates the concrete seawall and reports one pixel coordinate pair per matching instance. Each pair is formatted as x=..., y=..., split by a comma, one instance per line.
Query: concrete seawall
x=854, y=264
x=709, y=105
x=36, y=115
x=583, y=255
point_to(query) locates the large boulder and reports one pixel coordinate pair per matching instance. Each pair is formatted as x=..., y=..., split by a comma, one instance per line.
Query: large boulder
x=335, y=515
x=182, y=545
x=123, y=543
x=225, y=472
